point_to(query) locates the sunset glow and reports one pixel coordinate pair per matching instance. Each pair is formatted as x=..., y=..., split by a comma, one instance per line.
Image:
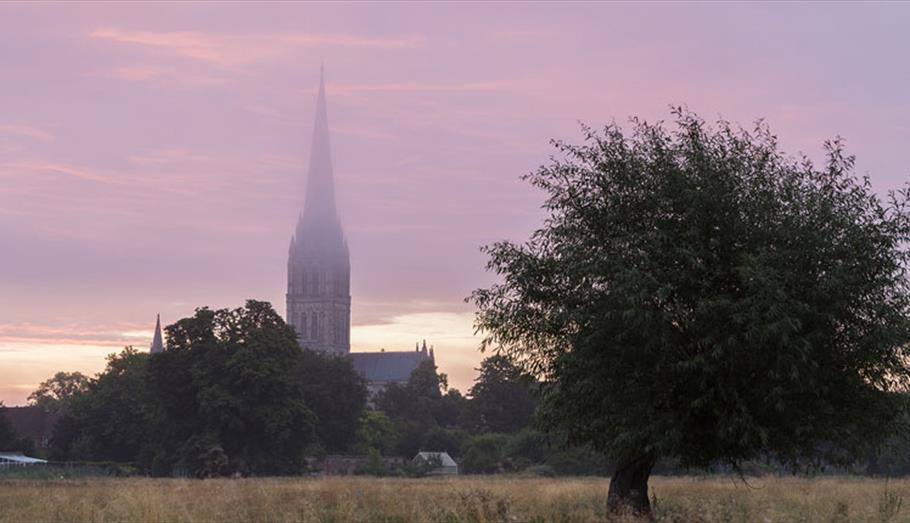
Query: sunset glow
x=153, y=157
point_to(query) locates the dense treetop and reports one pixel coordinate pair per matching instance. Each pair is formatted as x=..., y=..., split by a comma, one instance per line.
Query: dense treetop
x=233, y=392
x=695, y=293
x=502, y=398
x=54, y=394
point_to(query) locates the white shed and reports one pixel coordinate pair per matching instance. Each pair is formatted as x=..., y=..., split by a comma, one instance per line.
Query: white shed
x=446, y=466
x=17, y=459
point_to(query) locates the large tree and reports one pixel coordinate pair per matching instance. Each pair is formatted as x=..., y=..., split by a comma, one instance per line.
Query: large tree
x=694, y=293
x=229, y=384
x=225, y=396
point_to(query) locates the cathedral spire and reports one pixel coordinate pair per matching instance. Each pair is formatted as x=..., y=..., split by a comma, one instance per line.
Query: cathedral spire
x=319, y=205
x=157, y=344
x=319, y=266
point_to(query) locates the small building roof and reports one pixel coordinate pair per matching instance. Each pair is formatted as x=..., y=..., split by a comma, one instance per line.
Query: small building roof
x=444, y=459
x=18, y=457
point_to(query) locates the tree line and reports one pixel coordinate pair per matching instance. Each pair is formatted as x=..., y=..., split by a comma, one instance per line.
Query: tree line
x=195, y=410
x=235, y=393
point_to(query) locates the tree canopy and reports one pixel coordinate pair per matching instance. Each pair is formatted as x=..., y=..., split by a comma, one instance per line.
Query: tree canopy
x=229, y=380
x=233, y=392
x=54, y=394
x=419, y=409
x=695, y=293
x=337, y=395
x=111, y=418
x=502, y=398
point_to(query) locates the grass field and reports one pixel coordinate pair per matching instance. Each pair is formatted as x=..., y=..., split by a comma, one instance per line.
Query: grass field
x=474, y=499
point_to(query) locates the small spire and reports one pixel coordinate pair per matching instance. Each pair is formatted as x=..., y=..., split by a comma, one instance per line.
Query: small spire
x=157, y=344
x=417, y=347
x=424, y=348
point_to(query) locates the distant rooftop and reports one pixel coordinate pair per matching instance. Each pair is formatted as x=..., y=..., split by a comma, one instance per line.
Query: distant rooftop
x=18, y=458
x=444, y=459
x=387, y=366
x=31, y=422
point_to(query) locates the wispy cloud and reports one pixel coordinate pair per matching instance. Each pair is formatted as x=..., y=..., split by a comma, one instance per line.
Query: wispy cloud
x=363, y=132
x=164, y=76
x=73, y=334
x=522, y=35
x=14, y=168
x=231, y=50
x=37, y=187
x=172, y=156
x=349, y=40
x=26, y=130
x=422, y=87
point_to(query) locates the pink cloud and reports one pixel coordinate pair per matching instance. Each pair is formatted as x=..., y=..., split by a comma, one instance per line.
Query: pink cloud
x=522, y=35
x=176, y=160
x=349, y=40
x=28, y=167
x=363, y=132
x=174, y=155
x=169, y=170
x=232, y=50
x=28, y=131
x=73, y=334
x=163, y=76
x=406, y=87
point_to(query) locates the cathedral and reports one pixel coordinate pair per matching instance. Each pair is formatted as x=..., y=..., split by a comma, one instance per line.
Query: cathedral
x=319, y=272
x=319, y=275
x=319, y=265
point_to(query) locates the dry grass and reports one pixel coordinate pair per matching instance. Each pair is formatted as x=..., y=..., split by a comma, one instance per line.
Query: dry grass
x=475, y=499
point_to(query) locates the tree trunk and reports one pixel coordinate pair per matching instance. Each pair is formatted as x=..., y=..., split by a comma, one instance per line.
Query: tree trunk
x=629, y=487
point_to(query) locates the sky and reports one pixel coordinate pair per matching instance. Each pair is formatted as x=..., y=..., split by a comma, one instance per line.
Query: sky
x=153, y=157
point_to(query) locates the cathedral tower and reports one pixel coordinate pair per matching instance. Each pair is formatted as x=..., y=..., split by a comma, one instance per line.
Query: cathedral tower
x=319, y=266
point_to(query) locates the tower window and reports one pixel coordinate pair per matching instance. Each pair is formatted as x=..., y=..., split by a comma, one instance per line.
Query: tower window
x=321, y=324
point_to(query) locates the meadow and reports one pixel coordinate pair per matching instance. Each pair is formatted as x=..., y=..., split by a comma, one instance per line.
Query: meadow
x=466, y=498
